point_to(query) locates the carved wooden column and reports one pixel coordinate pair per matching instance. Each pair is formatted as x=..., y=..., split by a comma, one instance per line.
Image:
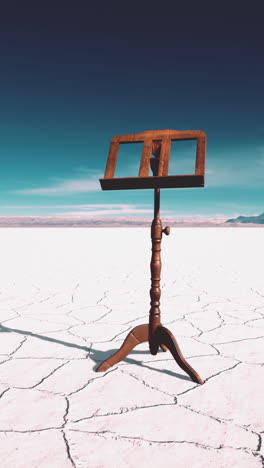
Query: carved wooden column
x=155, y=268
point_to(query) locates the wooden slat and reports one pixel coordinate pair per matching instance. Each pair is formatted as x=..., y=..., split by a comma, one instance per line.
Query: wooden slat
x=159, y=135
x=200, y=156
x=145, y=159
x=164, y=157
x=111, y=161
x=130, y=183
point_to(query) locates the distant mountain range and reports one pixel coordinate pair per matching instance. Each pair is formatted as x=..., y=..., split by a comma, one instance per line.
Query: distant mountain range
x=122, y=221
x=101, y=222
x=248, y=219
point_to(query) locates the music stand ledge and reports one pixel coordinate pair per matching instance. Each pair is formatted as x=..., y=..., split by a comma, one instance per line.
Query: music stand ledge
x=156, y=143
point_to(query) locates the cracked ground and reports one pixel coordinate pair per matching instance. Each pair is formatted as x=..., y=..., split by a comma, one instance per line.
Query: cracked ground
x=69, y=297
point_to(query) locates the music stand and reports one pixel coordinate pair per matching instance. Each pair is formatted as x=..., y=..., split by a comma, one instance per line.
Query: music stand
x=155, y=156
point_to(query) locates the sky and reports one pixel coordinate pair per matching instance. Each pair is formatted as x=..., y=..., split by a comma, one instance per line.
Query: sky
x=75, y=74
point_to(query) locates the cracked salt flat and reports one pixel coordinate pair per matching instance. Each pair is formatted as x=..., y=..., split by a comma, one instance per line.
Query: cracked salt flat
x=65, y=307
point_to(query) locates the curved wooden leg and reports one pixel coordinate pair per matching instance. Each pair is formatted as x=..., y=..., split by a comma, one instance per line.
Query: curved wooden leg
x=165, y=337
x=163, y=347
x=138, y=335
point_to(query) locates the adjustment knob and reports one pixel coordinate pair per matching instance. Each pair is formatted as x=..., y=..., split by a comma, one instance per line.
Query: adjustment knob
x=166, y=230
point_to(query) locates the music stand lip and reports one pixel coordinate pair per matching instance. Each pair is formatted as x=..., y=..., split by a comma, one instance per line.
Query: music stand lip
x=152, y=182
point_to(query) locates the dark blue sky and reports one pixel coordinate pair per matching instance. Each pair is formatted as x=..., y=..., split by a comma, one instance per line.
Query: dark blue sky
x=73, y=75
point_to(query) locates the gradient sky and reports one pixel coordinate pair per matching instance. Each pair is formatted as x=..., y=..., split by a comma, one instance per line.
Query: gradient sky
x=73, y=75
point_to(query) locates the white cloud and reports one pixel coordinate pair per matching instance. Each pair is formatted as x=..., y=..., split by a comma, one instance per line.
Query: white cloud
x=103, y=209
x=234, y=177
x=88, y=170
x=82, y=206
x=87, y=206
x=242, y=169
x=65, y=187
x=110, y=211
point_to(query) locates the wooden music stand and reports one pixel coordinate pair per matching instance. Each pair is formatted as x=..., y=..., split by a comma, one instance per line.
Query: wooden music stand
x=156, y=143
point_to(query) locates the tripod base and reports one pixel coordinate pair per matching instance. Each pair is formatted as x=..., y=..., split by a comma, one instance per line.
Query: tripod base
x=163, y=337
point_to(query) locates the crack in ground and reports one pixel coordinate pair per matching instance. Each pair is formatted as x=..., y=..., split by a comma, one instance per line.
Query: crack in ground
x=219, y=420
x=22, y=306
x=68, y=448
x=86, y=340
x=64, y=304
x=222, y=371
x=107, y=434
x=123, y=410
x=134, y=320
x=12, y=318
x=236, y=341
x=256, y=292
x=257, y=451
x=65, y=416
x=4, y=391
x=226, y=421
x=49, y=297
x=89, y=322
x=209, y=344
x=19, y=346
x=47, y=376
x=76, y=287
x=100, y=318
x=29, y=431
x=168, y=359
x=112, y=339
x=209, y=378
x=53, y=358
x=195, y=326
x=50, y=321
x=206, y=331
x=103, y=297
x=92, y=380
x=252, y=320
x=90, y=350
x=147, y=385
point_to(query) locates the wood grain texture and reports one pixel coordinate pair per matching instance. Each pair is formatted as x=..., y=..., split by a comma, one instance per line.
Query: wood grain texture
x=138, y=335
x=165, y=337
x=164, y=157
x=145, y=159
x=159, y=135
x=111, y=160
x=200, y=156
x=155, y=291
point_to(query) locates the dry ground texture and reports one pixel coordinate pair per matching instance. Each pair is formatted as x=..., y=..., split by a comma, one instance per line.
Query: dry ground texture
x=68, y=298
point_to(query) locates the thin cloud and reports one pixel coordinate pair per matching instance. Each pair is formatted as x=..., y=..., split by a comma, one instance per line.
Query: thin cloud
x=109, y=212
x=249, y=177
x=85, y=206
x=64, y=188
x=88, y=170
x=244, y=170
x=103, y=209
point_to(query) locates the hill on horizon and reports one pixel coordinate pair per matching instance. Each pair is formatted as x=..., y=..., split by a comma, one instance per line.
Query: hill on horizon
x=248, y=219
